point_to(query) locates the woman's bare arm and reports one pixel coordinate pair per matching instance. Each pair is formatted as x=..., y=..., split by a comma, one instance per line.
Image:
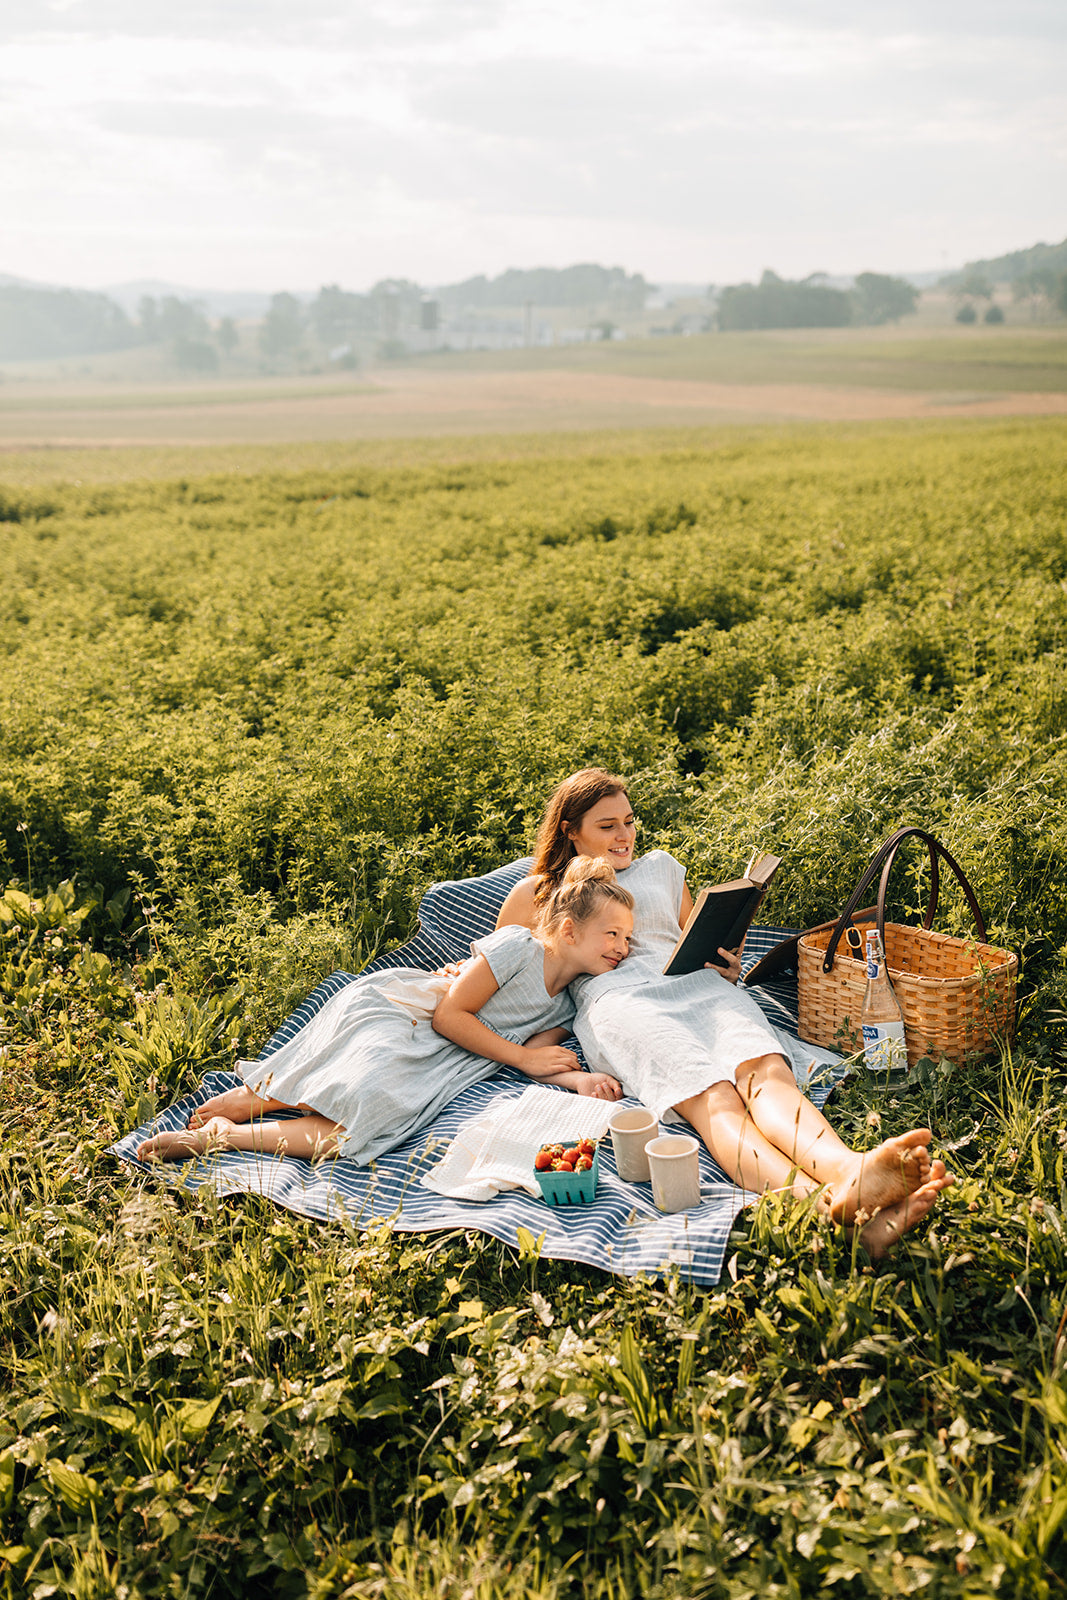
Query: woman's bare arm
x=519, y=909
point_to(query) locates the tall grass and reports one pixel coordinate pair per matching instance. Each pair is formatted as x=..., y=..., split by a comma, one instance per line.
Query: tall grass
x=244, y=722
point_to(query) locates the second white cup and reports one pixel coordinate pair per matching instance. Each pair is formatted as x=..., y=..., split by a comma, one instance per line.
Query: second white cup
x=630, y=1133
x=675, y=1165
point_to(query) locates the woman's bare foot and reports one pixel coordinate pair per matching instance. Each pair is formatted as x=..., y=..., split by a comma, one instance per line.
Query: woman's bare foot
x=880, y=1177
x=183, y=1143
x=236, y=1105
x=888, y=1227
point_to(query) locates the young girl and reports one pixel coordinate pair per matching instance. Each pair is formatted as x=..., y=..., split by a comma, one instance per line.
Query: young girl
x=366, y=1076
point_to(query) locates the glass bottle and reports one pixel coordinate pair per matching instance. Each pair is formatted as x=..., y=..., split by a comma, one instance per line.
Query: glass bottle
x=884, y=1048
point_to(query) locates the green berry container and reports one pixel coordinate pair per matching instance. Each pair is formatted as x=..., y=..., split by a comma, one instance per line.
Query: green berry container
x=569, y=1188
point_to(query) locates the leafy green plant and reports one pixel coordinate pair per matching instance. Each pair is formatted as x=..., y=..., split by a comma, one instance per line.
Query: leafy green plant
x=262, y=712
x=167, y=1037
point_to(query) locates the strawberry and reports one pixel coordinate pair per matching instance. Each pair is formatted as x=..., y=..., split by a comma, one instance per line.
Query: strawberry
x=584, y=1163
x=543, y=1160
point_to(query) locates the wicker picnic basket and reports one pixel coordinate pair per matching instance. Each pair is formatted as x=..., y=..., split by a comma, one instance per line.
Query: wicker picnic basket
x=957, y=995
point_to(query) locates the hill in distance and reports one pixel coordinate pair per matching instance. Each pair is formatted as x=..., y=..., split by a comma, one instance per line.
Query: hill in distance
x=1041, y=258
x=238, y=303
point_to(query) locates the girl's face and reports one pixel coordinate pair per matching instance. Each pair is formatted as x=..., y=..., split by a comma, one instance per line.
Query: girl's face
x=604, y=940
x=608, y=829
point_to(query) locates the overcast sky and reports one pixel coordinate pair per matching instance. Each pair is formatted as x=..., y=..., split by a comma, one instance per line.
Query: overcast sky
x=268, y=144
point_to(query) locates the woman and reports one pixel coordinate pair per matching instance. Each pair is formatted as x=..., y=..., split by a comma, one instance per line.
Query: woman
x=365, y=1075
x=701, y=1047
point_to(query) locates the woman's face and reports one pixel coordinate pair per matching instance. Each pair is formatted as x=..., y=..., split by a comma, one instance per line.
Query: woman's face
x=608, y=829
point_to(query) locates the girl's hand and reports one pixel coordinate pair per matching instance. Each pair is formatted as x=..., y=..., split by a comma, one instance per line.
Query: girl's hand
x=600, y=1085
x=452, y=969
x=549, y=1060
x=729, y=967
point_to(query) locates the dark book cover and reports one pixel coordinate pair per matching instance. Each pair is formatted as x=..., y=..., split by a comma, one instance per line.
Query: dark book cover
x=720, y=919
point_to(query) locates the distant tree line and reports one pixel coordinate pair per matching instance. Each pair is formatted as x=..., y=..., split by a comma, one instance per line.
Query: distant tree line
x=777, y=302
x=38, y=323
x=1038, y=279
x=337, y=319
x=1048, y=261
x=183, y=324
x=582, y=285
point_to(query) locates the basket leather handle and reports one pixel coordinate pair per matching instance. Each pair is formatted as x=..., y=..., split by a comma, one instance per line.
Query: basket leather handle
x=782, y=956
x=882, y=861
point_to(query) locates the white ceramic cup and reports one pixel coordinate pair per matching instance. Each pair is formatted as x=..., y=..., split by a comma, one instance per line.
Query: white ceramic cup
x=630, y=1133
x=675, y=1167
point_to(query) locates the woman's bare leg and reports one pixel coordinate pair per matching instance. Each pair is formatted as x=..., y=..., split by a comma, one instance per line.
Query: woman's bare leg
x=307, y=1137
x=236, y=1105
x=724, y=1122
x=870, y=1180
x=768, y=1135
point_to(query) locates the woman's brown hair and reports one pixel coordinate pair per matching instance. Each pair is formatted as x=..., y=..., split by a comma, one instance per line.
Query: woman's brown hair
x=575, y=796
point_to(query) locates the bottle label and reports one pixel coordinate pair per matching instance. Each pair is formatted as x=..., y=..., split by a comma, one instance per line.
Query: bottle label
x=872, y=964
x=884, y=1048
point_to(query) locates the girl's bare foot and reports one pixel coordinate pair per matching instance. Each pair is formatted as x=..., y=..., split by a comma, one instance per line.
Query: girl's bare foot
x=183, y=1143
x=236, y=1105
x=888, y=1227
x=880, y=1177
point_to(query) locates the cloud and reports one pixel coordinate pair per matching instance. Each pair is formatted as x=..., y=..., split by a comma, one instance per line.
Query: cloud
x=365, y=23
x=463, y=132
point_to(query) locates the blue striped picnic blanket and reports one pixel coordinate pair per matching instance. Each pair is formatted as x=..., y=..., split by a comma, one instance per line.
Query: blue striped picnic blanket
x=621, y=1231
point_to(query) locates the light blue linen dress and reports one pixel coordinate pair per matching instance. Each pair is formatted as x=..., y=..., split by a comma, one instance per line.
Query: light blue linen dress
x=666, y=1039
x=363, y=1062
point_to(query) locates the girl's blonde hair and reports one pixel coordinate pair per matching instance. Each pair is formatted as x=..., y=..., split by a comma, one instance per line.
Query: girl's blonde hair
x=575, y=796
x=588, y=882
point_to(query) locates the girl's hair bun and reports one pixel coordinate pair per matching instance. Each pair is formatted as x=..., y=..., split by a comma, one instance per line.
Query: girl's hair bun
x=587, y=882
x=588, y=869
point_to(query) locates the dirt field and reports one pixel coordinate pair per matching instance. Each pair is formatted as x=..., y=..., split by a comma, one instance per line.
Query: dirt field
x=411, y=401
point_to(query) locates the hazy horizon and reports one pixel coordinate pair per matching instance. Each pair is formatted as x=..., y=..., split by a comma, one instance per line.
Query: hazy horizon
x=128, y=291
x=236, y=146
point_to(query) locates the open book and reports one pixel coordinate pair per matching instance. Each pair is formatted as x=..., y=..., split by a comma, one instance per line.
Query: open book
x=721, y=917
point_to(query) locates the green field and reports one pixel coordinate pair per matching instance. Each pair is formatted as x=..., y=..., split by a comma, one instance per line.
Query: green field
x=794, y=378
x=72, y=397
x=950, y=359
x=253, y=703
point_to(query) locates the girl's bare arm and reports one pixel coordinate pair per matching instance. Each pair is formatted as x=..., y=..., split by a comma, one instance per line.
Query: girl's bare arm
x=455, y=1018
x=547, y=1036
